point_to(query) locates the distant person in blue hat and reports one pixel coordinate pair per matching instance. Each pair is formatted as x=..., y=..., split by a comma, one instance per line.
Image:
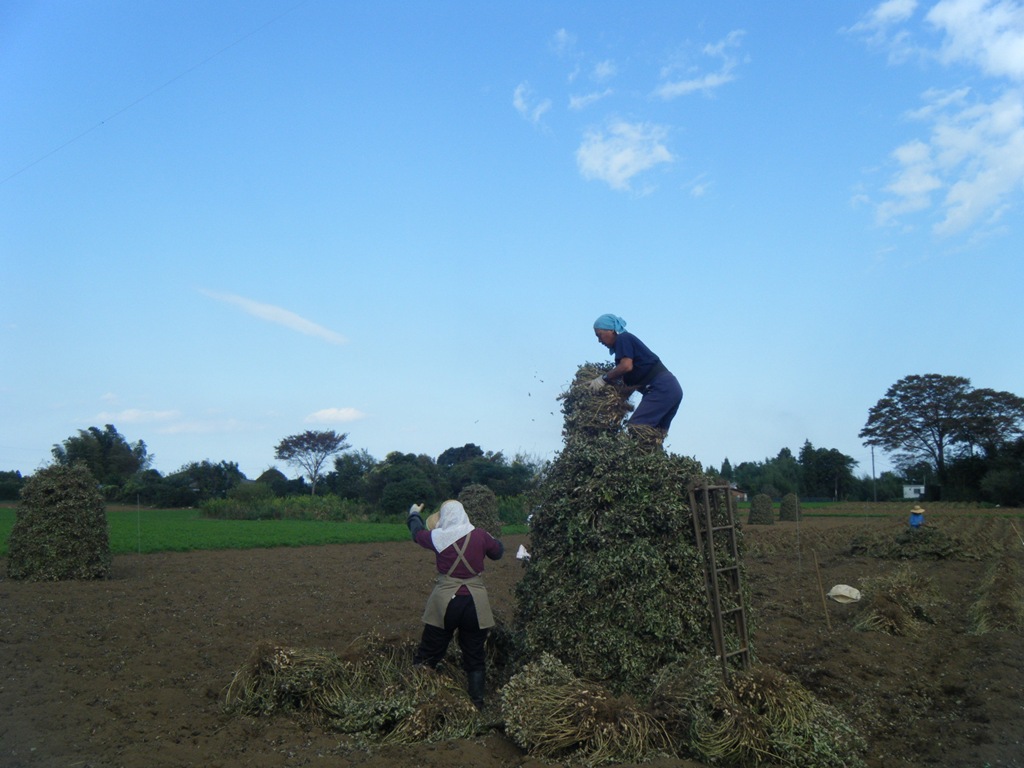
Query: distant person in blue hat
x=641, y=370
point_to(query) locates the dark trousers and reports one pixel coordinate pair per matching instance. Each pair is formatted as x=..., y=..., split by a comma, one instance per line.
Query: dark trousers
x=460, y=615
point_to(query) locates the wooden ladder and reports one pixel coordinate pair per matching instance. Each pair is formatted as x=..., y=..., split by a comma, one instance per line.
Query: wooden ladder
x=714, y=524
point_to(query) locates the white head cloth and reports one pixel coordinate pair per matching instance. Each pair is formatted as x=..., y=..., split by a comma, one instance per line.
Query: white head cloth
x=452, y=525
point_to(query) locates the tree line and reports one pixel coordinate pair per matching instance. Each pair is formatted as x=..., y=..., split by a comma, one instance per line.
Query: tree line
x=962, y=443
x=124, y=473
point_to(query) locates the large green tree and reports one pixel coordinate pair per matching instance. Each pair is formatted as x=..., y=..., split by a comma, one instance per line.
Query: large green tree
x=403, y=479
x=109, y=456
x=826, y=472
x=310, y=451
x=933, y=418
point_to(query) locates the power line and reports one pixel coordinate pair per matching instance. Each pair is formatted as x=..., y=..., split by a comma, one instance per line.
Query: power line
x=159, y=88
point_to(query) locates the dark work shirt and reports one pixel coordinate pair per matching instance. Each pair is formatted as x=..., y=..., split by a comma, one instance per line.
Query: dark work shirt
x=628, y=345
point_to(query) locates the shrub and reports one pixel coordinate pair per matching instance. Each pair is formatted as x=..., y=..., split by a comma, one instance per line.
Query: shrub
x=761, y=510
x=255, y=505
x=60, y=531
x=789, y=509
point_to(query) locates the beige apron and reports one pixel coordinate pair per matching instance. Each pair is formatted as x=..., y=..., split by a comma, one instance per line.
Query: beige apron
x=445, y=587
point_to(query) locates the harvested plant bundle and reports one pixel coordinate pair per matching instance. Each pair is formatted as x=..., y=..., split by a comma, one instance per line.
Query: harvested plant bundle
x=896, y=604
x=927, y=543
x=379, y=694
x=760, y=717
x=1000, y=603
x=551, y=713
x=593, y=413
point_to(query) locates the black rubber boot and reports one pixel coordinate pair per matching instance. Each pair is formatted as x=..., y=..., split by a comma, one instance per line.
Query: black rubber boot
x=475, y=685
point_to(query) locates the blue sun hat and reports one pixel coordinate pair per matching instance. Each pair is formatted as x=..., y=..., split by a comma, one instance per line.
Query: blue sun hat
x=610, y=323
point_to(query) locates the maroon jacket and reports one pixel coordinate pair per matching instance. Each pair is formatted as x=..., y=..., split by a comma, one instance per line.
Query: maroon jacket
x=481, y=544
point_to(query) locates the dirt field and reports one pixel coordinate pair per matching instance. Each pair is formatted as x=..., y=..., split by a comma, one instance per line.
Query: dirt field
x=132, y=671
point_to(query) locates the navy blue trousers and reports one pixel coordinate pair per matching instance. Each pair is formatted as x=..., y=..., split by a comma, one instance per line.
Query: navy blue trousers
x=659, y=402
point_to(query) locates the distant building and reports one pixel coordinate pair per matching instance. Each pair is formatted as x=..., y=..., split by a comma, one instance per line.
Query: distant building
x=913, y=492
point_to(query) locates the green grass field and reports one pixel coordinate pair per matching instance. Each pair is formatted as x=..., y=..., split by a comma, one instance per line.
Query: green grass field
x=181, y=530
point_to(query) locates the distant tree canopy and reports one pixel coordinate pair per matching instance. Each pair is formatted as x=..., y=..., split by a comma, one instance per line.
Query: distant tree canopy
x=310, y=451
x=110, y=458
x=817, y=473
x=10, y=485
x=936, y=419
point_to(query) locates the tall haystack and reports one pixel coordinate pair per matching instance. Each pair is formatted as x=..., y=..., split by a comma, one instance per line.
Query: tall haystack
x=615, y=585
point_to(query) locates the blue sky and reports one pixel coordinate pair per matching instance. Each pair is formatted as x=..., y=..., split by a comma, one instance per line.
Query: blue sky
x=222, y=223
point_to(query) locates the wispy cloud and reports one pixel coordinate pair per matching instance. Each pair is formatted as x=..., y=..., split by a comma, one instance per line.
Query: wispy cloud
x=279, y=316
x=527, y=105
x=616, y=154
x=968, y=164
x=693, y=80
x=335, y=416
x=577, y=103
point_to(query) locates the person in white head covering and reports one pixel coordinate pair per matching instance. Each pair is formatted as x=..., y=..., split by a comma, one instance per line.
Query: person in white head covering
x=459, y=600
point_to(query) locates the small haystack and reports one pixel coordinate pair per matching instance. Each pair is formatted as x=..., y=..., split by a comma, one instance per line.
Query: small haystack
x=612, y=539
x=762, y=511
x=789, y=508
x=481, y=504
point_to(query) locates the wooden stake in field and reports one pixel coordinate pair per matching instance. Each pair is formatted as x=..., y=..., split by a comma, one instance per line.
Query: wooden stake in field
x=821, y=589
x=1017, y=532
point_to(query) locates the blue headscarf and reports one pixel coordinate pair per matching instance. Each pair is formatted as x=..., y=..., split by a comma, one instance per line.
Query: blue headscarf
x=610, y=323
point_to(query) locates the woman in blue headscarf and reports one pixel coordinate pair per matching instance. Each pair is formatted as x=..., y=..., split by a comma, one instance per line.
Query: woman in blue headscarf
x=641, y=370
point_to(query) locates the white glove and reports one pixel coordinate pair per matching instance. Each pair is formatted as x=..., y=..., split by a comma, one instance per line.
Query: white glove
x=415, y=509
x=598, y=383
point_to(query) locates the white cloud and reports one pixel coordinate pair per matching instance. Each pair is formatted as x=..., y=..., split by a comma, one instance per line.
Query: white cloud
x=968, y=165
x=335, y=416
x=881, y=27
x=989, y=35
x=694, y=80
x=522, y=100
x=621, y=152
x=279, y=316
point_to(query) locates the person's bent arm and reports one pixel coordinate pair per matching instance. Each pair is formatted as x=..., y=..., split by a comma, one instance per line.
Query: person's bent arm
x=624, y=366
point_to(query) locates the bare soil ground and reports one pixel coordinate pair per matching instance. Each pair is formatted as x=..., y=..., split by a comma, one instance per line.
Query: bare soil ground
x=132, y=671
